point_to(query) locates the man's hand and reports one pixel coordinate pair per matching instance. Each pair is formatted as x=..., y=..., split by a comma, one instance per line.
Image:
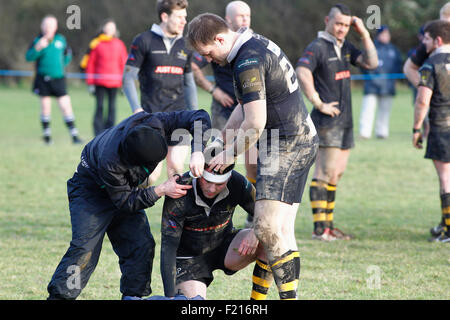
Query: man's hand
x=224, y=99
x=41, y=44
x=417, y=140
x=221, y=161
x=330, y=109
x=172, y=189
x=359, y=27
x=249, y=244
x=197, y=163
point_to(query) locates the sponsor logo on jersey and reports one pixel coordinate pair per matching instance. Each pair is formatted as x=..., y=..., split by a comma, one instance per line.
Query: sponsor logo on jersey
x=169, y=70
x=182, y=55
x=250, y=81
x=59, y=44
x=247, y=62
x=342, y=75
x=159, y=52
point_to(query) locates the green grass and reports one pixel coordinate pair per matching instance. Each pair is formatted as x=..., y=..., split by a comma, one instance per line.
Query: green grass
x=388, y=198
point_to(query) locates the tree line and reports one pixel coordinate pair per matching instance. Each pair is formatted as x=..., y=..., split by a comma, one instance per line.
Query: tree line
x=292, y=24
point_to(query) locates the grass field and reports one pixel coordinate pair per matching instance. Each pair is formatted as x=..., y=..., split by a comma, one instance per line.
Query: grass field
x=388, y=198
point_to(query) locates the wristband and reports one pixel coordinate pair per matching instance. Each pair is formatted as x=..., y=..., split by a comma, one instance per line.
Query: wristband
x=416, y=130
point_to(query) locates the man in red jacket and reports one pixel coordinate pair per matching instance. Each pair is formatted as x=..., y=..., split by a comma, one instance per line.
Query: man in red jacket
x=104, y=67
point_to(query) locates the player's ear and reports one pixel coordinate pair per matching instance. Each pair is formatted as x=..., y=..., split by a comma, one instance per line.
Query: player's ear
x=219, y=38
x=164, y=17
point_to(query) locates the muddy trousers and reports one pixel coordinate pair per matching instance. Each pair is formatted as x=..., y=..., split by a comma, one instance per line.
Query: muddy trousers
x=92, y=216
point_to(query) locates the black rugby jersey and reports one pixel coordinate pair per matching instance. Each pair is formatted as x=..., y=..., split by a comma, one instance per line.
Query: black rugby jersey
x=162, y=69
x=223, y=75
x=199, y=228
x=331, y=79
x=261, y=70
x=435, y=74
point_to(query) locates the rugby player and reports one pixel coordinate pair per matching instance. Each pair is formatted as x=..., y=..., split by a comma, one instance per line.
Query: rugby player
x=434, y=96
x=161, y=62
x=271, y=112
x=324, y=73
x=198, y=236
x=237, y=15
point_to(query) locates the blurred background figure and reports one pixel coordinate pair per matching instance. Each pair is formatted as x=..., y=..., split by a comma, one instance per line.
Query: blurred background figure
x=380, y=91
x=104, y=64
x=52, y=54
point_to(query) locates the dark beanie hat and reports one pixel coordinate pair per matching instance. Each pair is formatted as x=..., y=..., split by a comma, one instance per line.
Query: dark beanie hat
x=144, y=145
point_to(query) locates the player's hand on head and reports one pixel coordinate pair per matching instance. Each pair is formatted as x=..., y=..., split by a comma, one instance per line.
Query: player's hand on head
x=197, y=164
x=221, y=161
x=358, y=25
x=172, y=189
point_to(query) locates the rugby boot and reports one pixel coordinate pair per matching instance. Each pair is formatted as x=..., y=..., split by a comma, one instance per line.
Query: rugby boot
x=326, y=235
x=340, y=235
x=443, y=238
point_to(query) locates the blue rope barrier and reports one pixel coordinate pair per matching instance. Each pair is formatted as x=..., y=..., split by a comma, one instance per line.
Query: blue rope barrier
x=80, y=75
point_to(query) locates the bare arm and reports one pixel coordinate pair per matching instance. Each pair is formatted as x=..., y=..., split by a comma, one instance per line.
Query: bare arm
x=411, y=71
x=420, y=111
x=369, y=58
x=248, y=134
x=306, y=79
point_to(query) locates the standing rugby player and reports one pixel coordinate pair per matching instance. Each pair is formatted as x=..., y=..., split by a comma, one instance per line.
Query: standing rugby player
x=270, y=102
x=324, y=73
x=433, y=95
x=162, y=63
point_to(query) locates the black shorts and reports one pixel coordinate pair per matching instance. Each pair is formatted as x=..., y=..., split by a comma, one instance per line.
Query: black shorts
x=45, y=86
x=282, y=174
x=201, y=267
x=336, y=137
x=438, y=145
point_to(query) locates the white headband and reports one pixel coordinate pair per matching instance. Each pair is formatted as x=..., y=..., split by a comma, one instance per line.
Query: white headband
x=216, y=178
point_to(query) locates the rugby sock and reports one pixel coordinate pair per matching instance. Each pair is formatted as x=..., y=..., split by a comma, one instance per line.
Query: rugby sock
x=286, y=273
x=251, y=180
x=331, y=195
x=47, y=132
x=445, y=205
x=318, y=194
x=262, y=280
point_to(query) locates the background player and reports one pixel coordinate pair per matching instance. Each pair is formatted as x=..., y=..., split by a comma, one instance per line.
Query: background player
x=161, y=61
x=434, y=95
x=324, y=74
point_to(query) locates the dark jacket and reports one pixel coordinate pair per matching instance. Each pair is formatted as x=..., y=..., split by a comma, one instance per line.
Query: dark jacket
x=390, y=61
x=103, y=165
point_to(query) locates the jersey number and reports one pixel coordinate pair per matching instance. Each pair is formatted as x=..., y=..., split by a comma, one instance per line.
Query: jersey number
x=289, y=74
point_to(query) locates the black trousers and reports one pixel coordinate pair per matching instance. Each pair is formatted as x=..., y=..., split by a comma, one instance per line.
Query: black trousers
x=92, y=215
x=100, y=121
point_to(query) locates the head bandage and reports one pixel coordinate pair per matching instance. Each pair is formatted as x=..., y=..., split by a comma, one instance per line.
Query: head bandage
x=216, y=178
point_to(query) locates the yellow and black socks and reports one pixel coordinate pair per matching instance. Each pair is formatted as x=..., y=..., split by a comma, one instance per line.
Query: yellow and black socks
x=445, y=205
x=286, y=273
x=331, y=196
x=318, y=195
x=262, y=280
